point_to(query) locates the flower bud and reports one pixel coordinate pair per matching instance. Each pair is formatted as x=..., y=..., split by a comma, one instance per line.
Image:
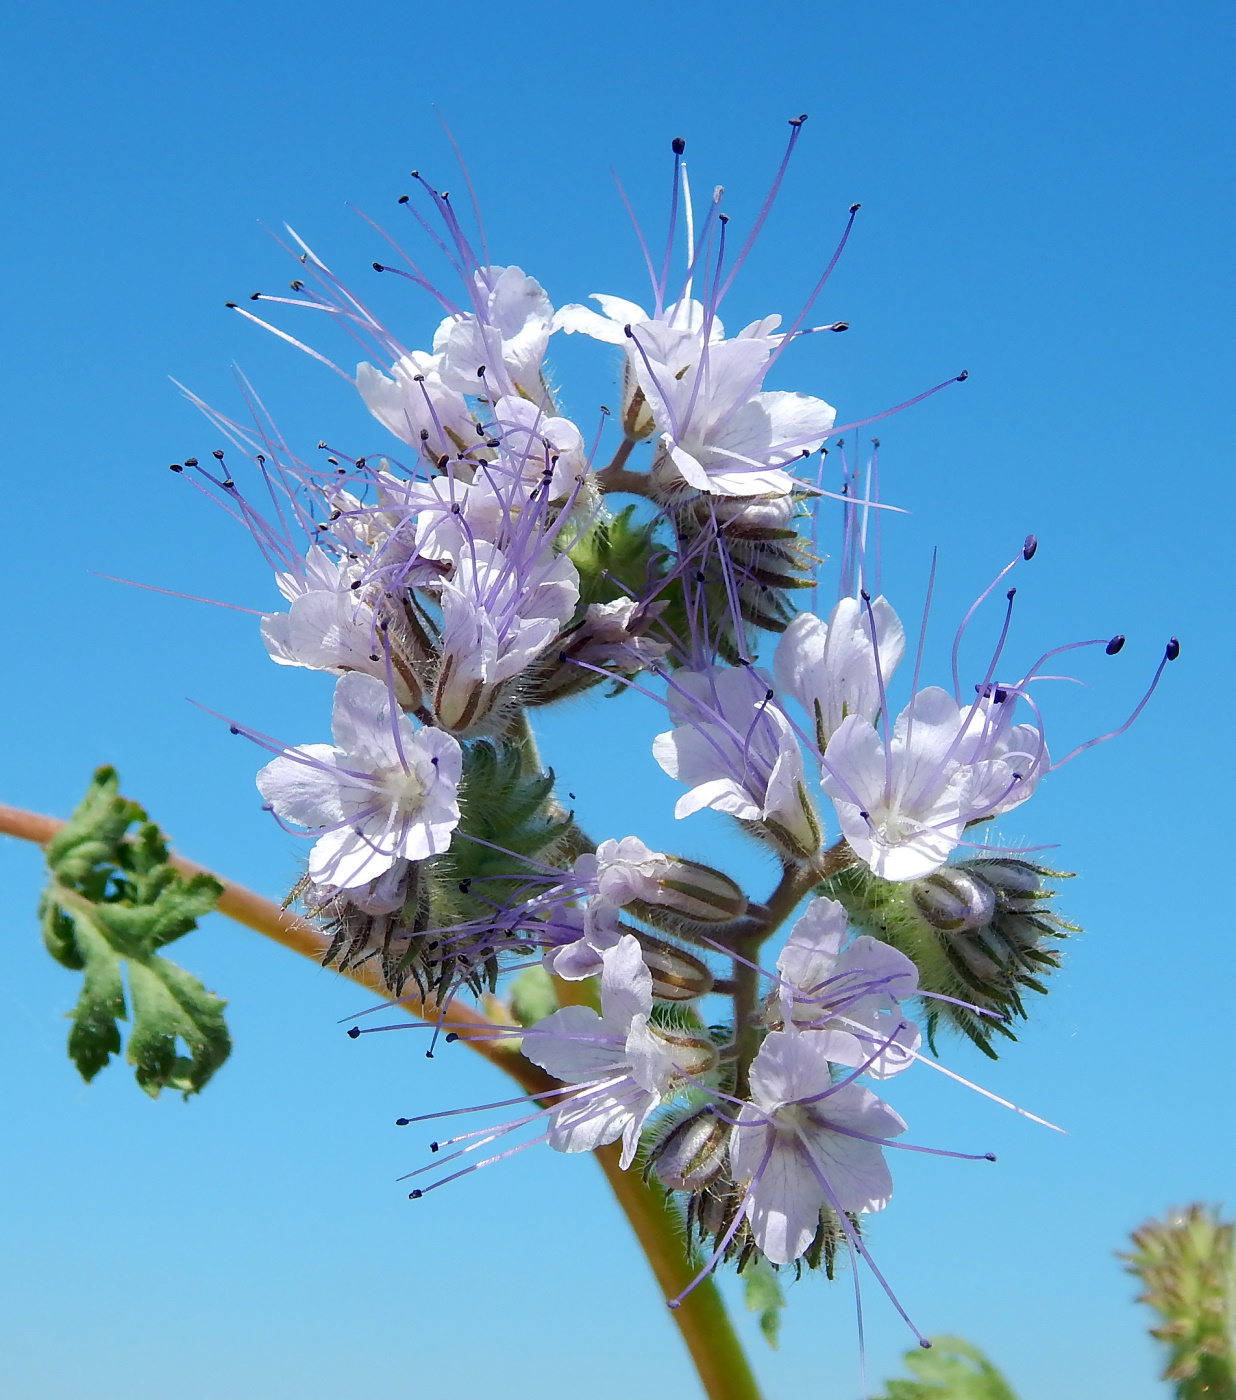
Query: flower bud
x=953, y=899
x=695, y=893
x=760, y=518
x=1017, y=883
x=637, y=419
x=693, y=1054
x=676, y=974
x=693, y=1154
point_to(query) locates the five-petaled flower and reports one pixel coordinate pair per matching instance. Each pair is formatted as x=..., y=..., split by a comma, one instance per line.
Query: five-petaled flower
x=804, y=1143
x=382, y=792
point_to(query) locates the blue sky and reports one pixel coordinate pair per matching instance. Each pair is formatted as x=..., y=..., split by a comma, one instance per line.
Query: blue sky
x=1047, y=202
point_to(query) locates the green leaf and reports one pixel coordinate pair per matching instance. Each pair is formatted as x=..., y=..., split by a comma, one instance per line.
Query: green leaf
x=113, y=900
x=951, y=1370
x=763, y=1295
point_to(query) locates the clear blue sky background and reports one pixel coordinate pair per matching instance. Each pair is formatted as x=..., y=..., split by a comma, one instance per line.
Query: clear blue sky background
x=1047, y=202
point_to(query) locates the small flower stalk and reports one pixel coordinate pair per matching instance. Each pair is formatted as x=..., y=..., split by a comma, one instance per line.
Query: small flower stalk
x=473, y=565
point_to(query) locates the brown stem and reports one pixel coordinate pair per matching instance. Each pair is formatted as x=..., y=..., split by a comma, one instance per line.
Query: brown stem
x=615, y=476
x=715, y=1350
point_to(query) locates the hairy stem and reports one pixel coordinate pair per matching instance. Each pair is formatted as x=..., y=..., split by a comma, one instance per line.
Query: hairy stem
x=795, y=882
x=715, y=1350
x=615, y=476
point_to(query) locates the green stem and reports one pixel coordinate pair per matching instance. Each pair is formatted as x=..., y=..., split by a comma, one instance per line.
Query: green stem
x=709, y=1336
x=795, y=882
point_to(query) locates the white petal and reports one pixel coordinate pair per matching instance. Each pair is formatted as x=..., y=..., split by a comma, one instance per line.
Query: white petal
x=573, y=1045
x=308, y=792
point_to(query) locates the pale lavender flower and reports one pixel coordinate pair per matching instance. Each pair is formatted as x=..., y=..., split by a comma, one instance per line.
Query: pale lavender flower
x=384, y=792
x=591, y=929
x=831, y=668
x=497, y=348
x=736, y=752
x=500, y=611
x=904, y=808
x=804, y=1143
x=416, y=406
x=854, y=992
x=625, y=1068
x=327, y=627
x=719, y=432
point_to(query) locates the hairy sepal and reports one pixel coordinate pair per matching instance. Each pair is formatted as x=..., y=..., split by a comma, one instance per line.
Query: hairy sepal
x=989, y=967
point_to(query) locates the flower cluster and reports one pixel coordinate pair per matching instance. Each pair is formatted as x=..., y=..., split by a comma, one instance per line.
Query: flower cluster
x=476, y=570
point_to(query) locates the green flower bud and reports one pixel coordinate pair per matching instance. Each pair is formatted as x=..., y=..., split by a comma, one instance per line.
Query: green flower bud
x=676, y=974
x=693, y=1054
x=690, y=893
x=953, y=899
x=693, y=1153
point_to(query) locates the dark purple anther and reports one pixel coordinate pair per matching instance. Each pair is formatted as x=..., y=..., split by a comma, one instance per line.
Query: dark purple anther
x=854, y=208
x=255, y=296
x=1011, y=594
x=353, y=1032
x=1115, y=644
x=175, y=467
x=963, y=376
x=1173, y=649
x=377, y=267
x=678, y=145
x=1028, y=549
x=841, y=326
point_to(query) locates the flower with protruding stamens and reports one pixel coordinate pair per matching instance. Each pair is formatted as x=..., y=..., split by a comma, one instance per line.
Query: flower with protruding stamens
x=803, y=1144
x=719, y=432
x=415, y=405
x=499, y=613
x=383, y=792
x=853, y=992
x=542, y=444
x=627, y=1066
x=903, y=810
x=502, y=342
x=831, y=668
x=735, y=750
